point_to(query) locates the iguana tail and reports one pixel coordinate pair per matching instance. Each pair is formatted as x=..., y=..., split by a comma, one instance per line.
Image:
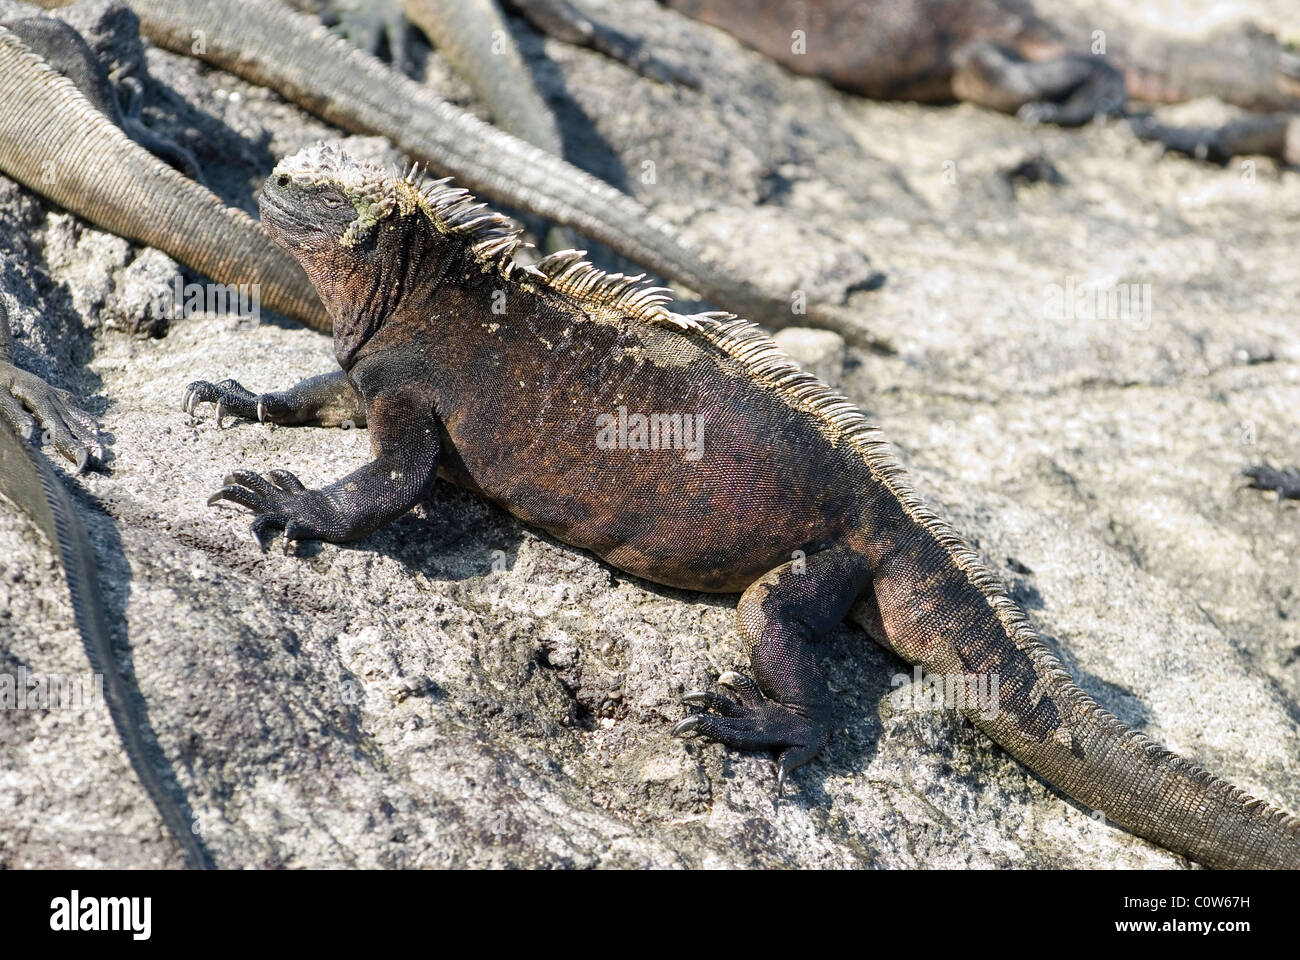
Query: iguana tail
x=53, y=140
x=29, y=481
x=941, y=607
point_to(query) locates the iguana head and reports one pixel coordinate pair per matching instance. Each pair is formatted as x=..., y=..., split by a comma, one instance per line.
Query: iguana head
x=373, y=240
x=320, y=198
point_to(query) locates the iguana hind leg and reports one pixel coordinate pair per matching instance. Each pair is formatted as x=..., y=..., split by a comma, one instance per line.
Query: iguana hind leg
x=786, y=706
x=27, y=401
x=64, y=49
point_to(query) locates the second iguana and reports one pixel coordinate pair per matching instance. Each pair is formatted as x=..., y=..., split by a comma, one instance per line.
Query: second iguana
x=687, y=450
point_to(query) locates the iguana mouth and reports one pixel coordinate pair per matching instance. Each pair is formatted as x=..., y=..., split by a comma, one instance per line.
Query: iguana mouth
x=283, y=222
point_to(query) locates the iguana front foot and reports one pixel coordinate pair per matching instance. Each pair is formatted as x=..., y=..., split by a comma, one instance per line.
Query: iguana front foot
x=230, y=396
x=754, y=723
x=329, y=400
x=282, y=502
x=371, y=25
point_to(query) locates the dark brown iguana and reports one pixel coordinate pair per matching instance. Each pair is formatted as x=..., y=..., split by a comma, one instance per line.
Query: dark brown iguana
x=505, y=379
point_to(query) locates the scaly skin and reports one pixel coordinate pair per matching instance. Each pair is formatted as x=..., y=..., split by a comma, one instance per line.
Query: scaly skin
x=29, y=481
x=59, y=45
x=474, y=37
x=271, y=45
x=54, y=141
x=28, y=402
x=494, y=376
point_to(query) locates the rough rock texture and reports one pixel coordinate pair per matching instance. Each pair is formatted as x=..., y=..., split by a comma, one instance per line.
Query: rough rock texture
x=459, y=690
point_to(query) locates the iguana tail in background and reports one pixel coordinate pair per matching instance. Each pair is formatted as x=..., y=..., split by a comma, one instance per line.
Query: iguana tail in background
x=27, y=479
x=474, y=37
x=54, y=141
x=270, y=45
x=941, y=607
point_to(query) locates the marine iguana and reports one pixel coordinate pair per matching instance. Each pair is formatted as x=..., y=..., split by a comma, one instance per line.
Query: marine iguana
x=1002, y=54
x=269, y=44
x=495, y=376
x=1011, y=56
x=28, y=480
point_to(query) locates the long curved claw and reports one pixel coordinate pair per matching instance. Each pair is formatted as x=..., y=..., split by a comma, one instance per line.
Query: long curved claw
x=281, y=503
x=287, y=481
x=27, y=402
x=745, y=688
x=754, y=723
x=688, y=725
x=231, y=398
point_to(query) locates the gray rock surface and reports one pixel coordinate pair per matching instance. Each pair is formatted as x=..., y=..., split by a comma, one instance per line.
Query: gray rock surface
x=460, y=690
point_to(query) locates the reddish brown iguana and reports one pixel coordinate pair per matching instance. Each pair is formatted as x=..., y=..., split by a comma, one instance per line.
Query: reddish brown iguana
x=503, y=379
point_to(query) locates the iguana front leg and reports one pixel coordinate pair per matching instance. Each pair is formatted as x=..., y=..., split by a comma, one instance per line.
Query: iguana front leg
x=786, y=706
x=329, y=400
x=404, y=434
x=27, y=401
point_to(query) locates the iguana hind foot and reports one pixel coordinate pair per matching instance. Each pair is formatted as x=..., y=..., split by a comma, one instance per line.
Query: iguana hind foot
x=27, y=401
x=754, y=723
x=786, y=708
